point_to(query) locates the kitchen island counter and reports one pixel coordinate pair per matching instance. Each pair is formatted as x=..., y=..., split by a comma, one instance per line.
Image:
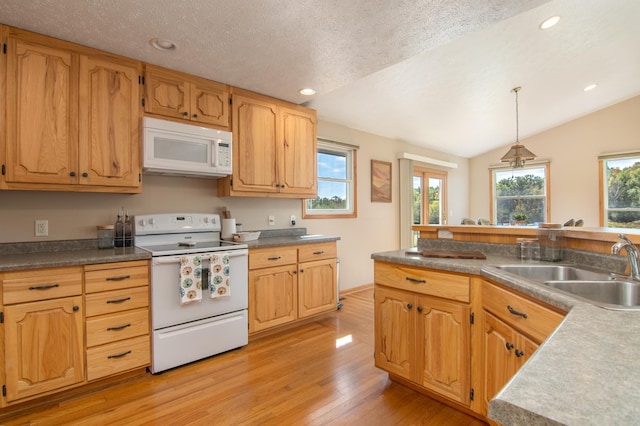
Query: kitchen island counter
x=585, y=373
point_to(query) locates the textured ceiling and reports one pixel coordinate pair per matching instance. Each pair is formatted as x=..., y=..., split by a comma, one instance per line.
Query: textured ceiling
x=432, y=73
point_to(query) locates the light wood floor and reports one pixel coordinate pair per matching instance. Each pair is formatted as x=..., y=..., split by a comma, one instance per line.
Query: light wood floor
x=296, y=377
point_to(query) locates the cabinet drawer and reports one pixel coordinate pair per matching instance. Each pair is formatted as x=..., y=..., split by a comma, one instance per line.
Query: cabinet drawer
x=116, y=278
x=511, y=308
x=423, y=281
x=114, y=327
x=118, y=357
x=273, y=256
x=116, y=301
x=41, y=284
x=319, y=251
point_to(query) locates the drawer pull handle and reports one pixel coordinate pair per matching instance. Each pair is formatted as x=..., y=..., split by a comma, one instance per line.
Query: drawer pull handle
x=119, y=355
x=120, y=327
x=274, y=258
x=415, y=280
x=514, y=312
x=120, y=278
x=44, y=287
x=519, y=353
x=319, y=252
x=124, y=299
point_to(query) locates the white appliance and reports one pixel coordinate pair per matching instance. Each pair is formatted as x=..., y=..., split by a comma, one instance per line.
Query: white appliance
x=184, y=149
x=189, y=332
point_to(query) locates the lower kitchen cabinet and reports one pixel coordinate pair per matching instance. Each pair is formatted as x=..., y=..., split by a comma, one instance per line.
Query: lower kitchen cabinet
x=43, y=331
x=291, y=283
x=46, y=314
x=420, y=337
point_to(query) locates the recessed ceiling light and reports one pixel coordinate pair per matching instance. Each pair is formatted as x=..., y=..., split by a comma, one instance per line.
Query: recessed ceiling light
x=549, y=22
x=163, y=44
x=590, y=87
x=307, y=91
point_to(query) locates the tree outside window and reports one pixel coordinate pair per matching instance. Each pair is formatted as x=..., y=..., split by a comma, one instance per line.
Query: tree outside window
x=429, y=203
x=520, y=196
x=621, y=206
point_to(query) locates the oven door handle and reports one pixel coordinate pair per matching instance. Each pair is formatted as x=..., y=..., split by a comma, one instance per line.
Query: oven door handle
x=163, y=260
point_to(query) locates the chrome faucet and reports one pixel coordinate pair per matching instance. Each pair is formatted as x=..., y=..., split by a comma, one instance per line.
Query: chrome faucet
x=633, y=255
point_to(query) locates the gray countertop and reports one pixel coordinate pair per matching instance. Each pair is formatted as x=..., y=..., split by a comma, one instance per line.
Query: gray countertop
x=279, y=241
x=16, y=261
x=585, y=373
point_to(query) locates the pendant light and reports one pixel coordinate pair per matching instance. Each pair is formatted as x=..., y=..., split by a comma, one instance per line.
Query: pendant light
x=517, y=154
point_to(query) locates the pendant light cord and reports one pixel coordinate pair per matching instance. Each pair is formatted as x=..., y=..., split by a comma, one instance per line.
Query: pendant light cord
x=517, y=89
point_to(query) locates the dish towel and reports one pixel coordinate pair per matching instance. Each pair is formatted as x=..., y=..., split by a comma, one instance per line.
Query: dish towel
x=190, y=279
x=219, y=275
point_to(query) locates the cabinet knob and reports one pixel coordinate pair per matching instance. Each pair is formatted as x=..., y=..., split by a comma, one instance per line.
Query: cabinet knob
x=72, y=174
x=185, y=113
x=85, y=174
x=76, y=308
x=195, y=115
x=419, y=308
x=519, y=353
x=409, y=306
x=301, y=270
x=509, y=346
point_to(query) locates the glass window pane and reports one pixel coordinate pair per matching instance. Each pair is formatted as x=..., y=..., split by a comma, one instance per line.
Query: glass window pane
x=331, y=195
x=622, y=177
x=520, y=196
x=417, y=200
x=435, y=209
x=332, y=165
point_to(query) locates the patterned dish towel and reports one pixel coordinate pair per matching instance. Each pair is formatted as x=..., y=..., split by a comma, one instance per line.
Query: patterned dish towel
x=190, y=279
x=219, y=275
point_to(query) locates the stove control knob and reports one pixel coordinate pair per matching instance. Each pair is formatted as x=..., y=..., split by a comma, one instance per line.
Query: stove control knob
x=213, y=220
x=143, y=222
x=205, y=220
x=152, y=221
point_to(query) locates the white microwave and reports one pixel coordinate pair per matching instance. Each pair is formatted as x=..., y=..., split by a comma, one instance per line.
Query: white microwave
x=185, y=149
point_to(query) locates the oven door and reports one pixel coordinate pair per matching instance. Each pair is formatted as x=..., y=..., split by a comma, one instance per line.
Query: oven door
x=166, y=309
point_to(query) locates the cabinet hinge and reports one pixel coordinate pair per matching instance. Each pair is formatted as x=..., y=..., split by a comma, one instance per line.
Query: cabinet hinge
x=4, y=170
x=230, y=101
x=141, y=79
x=139, y=177
x=142, y=100
x=4, y=48
x=472, y=318
x=231, y=183
x=1, y=317
x=4, y=390
x=471, y=394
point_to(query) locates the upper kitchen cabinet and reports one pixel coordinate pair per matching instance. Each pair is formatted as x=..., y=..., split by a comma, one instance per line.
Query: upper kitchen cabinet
x=172, y=94
x=73, y=117
x=274, y=149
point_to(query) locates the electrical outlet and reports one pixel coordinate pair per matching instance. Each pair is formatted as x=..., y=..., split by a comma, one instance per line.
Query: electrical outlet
x=272, y=220
x=293, y=220
x=42, y=228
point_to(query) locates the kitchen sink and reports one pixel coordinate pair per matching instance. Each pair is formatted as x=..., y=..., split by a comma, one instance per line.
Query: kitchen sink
x=611, y=294
x=545, y=272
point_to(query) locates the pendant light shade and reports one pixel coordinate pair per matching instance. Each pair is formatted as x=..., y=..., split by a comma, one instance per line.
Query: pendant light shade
x=517, y=154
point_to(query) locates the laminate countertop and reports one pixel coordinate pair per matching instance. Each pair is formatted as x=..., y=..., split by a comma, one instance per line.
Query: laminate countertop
x=585, y=373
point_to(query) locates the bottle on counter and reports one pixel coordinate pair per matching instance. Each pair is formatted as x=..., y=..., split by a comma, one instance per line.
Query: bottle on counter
x=128, y=230
x=118, y=233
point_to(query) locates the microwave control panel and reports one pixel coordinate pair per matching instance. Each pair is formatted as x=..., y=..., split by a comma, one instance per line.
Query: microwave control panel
x=223, y=154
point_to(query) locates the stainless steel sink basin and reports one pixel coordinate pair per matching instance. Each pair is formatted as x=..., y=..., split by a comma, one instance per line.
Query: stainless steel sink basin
x=545, y=272
x=618, y=294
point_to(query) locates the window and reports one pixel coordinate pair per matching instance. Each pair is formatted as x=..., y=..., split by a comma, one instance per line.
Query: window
x=337, y=187
x=520, y=196
x=429, y=200
x=620, y=191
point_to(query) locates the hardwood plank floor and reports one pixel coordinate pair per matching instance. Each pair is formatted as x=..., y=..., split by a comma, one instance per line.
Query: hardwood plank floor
x=295, y=377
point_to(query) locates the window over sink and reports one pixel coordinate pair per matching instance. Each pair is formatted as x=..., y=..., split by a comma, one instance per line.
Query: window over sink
x=620, y=190
x=520, y=196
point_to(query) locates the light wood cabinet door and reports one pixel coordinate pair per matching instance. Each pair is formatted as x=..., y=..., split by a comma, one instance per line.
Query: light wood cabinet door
x=41, y=109
x=43, y=346
x=273, y=297
x=316, y=287
x=297, y=166
x=109, y=123
x=395, y=332
x=443, y=340
x=188, y=98
x=255, y=145
x=505, y=352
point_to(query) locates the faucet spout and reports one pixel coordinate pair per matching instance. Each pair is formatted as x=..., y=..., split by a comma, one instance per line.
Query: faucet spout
x=633, y=255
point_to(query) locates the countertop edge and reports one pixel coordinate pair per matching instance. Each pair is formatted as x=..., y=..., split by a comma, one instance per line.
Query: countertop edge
x=25, y=261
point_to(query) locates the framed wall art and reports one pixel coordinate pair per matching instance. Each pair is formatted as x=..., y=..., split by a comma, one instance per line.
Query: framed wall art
x=380, y=181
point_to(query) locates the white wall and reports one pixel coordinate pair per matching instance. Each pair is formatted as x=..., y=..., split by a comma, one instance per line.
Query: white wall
x=573, y=149
x=75, y=215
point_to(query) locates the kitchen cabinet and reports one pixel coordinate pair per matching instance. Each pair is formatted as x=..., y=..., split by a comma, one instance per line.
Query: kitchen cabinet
x=513, y=328
x=43, y=331
x=117, y=318
x=187, y=98
x=290, y=283
x=274, y=149
x=423, y=328
x=73, y=117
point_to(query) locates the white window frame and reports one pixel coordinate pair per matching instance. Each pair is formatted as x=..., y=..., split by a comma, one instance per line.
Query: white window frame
x=350, y=153
x=604, y=189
